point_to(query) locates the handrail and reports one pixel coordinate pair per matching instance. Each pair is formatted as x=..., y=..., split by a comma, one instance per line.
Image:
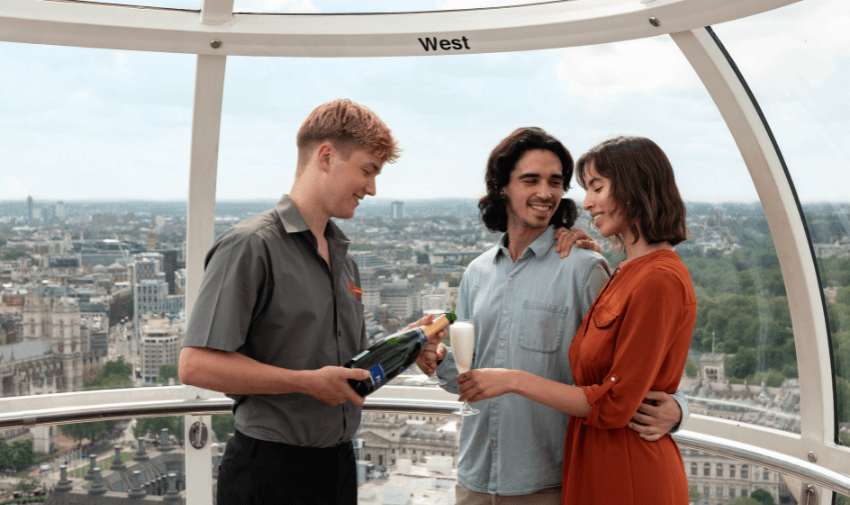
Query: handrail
x=388, y=399
x=44, y=410
x=782, y=463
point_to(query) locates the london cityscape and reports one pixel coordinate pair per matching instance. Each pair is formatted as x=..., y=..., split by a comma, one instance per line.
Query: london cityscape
x=93, y=297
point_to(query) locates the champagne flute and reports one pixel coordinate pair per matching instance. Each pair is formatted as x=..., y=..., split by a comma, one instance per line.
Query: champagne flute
x=435, y=305
x=463, y=349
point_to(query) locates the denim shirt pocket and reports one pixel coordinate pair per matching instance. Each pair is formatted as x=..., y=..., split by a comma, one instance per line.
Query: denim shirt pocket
x=542, y=326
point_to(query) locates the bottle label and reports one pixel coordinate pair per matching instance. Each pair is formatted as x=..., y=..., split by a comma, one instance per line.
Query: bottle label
x=379, y=378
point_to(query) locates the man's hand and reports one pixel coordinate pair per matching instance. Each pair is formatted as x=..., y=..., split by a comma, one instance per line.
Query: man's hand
x=431, y=354
x=653, y=422
x=434, y=350
x=424, y=321
x=576, y=236
x=330, y=385
x=484, y=383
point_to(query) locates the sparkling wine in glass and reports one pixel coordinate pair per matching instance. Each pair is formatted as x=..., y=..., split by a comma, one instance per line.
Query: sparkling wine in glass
x=434, y=304
x=463, y=348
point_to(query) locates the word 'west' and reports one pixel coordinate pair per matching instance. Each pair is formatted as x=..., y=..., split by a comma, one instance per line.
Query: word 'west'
x=433, y=43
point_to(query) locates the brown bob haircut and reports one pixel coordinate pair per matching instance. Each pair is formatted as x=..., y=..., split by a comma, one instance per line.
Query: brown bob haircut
x=643, y=183
x=502, y=162
x=346, y=124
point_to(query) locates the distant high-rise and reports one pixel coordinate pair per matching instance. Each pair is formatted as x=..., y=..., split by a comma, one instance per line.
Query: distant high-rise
x=718, y=216
x=29, y=210
x=169, y=266
x=397, y=210
x=59, y=210
x=151, y=240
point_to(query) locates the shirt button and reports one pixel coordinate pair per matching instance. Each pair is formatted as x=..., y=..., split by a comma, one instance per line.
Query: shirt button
x=613, y=379
x=494, y=444
x=505, y=312
x=510, y=279
x=494, y=411
x=502, y=344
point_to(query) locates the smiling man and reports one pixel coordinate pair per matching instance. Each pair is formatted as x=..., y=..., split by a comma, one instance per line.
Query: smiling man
x=526, y=304
x=279, y=312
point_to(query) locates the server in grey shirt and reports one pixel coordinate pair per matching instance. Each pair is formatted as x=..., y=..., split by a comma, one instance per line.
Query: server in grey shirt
x=279, y=310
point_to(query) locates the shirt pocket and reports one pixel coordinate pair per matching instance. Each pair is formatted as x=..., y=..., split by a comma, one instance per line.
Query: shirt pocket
x=542, y=326
x=600, y=339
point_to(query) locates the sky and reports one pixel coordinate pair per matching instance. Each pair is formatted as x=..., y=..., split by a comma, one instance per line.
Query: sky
x=90, y=124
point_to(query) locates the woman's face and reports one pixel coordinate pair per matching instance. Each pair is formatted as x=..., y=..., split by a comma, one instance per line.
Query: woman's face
x=605, y=212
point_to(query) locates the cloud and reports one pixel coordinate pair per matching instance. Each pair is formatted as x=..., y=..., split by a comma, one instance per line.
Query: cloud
x=608, y=74
x=121, y=65
x=790, y=49
x=13, y=189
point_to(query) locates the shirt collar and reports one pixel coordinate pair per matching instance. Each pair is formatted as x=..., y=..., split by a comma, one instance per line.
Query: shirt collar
x=539, y=247
x=294, y=223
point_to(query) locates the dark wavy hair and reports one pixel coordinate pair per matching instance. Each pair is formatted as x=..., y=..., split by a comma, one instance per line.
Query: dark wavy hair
x=502, y=162
x=643, y=183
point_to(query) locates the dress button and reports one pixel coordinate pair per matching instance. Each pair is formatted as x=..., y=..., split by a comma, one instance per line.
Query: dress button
x=510, y=279
x=505, y=312
x=494, y=444
x=502, y=344
x=494, y=411
x=613, y=379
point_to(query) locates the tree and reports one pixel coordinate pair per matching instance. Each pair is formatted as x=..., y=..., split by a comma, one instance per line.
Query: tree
x=82, y=431
x=223, y=425
x=168, y=371
x=27, y=485
x=153, y=426
x=772, y=379
x=694, y=493
x=745, y=501
x=691, y=369
x=23, y=454
x=118, y=367
x=13, y=255
x=113, y=375
x=763, y=497
x=5, y=454
x=743, y=363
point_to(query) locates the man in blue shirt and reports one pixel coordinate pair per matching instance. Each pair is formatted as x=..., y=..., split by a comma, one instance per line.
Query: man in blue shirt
x=526, y=303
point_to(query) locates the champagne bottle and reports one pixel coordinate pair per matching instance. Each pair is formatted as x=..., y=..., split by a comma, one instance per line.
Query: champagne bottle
x=394, y=354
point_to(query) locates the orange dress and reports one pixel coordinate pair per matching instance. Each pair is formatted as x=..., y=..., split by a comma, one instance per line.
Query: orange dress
x=634, y=339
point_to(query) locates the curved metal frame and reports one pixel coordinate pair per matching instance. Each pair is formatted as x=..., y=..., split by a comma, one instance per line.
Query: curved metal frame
x=549, y=25
x=519, y=28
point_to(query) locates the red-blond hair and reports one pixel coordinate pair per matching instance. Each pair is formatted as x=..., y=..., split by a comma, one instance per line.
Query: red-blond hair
x=346, y=124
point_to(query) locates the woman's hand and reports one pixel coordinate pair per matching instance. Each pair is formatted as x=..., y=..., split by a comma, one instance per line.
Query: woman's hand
x=576, y=236
x=485, y=383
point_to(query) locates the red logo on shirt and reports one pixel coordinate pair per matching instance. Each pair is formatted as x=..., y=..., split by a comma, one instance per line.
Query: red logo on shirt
x=355, y=290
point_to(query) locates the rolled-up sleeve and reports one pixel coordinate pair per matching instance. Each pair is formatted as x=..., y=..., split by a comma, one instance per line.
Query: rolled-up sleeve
x=647, y=327
x=234, y=279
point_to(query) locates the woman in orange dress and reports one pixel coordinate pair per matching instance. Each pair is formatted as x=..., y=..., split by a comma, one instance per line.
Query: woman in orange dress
x=634, y=339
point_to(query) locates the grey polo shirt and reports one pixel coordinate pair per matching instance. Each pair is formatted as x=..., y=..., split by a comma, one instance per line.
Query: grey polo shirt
x=268, y=294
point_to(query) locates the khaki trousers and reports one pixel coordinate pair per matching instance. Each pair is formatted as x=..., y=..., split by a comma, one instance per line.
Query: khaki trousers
x=465, y=496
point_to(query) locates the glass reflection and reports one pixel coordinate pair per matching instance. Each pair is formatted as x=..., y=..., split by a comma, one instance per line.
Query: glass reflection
x=805, y=101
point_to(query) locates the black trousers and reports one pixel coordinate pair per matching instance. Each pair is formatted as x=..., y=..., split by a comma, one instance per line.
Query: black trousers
x=257, y=472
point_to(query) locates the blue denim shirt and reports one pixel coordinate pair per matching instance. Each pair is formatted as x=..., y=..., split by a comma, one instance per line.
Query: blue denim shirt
x=525, y=316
